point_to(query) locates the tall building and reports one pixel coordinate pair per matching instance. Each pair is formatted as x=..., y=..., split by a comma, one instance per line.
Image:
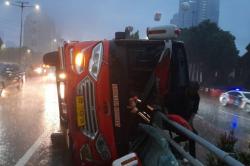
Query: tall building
x=39, y=33
x=208, y=9
x=193, y=12
x=175, y=19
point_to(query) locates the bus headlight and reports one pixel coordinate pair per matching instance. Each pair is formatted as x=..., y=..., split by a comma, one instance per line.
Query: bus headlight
x=79, y=62
x=62, y=90
x=96, y=60
x=62, y=76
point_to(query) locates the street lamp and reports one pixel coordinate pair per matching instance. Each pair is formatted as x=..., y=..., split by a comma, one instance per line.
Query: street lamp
x=37, y=7
x=21, y=5
x=7, y=3
x=54, y=43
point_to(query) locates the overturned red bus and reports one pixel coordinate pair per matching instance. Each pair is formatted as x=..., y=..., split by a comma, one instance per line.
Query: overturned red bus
x=95, y=79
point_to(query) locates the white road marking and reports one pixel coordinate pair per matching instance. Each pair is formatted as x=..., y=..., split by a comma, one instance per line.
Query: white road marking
x=28, y=154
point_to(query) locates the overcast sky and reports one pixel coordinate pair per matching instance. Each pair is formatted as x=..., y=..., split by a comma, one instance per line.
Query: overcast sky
x=98, y=19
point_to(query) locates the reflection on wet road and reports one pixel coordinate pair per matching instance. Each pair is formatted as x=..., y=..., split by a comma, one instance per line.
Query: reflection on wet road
x=221, y=119
x=25, y=116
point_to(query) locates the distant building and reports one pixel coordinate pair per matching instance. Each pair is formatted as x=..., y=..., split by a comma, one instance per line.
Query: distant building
x=192, y=12
x=208, y=9
x=175, y=19
x=39, y=33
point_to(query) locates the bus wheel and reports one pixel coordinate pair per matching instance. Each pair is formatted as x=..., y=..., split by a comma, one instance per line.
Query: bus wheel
x=57, y=139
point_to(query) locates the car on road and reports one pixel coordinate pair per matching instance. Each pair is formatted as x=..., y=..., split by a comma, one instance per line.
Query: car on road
x=238, y=98
x=11, y=75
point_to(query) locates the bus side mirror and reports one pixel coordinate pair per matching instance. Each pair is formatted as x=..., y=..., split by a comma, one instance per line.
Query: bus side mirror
x=50, y=58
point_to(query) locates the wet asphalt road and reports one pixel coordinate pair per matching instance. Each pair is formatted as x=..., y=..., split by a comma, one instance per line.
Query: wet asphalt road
x=214, y=120
x=217, y=118
x=28, y=117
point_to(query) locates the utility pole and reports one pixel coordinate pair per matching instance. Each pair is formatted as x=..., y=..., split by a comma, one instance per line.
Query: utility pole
x=21, y=5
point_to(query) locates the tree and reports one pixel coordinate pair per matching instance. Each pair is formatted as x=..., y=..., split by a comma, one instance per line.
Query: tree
x=248, y=48
x=213, y=49
x=243, y=68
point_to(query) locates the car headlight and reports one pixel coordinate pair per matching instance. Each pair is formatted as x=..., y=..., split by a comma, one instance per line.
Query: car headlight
x=96, y=60
x=38, y=70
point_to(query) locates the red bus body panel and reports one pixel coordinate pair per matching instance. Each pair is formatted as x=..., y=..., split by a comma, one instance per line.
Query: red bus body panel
x=102, y=102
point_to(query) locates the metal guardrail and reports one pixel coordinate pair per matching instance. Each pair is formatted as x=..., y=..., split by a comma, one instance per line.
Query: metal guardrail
x=212, y=148
x=191, y=159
